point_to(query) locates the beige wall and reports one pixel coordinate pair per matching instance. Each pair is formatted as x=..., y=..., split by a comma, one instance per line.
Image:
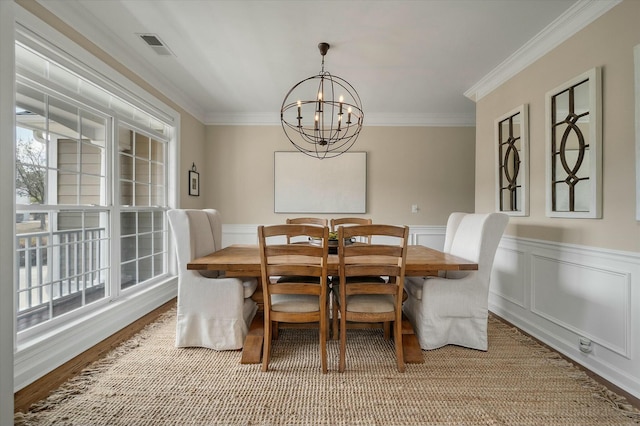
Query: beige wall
x=607, y=43
x=432, y=167
x=191, y=130
x=192, y=134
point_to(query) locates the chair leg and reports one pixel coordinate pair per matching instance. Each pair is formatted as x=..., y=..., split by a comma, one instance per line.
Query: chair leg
x=343, y=341
x=386, y=326
x=323, y=340
x=397, y=331
x=334, y=320
x=275, y=329
x=266, y=351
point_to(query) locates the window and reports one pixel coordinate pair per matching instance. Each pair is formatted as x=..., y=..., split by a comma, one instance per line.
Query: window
x=91, y=188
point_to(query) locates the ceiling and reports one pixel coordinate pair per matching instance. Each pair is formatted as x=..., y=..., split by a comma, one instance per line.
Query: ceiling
x=412, y=62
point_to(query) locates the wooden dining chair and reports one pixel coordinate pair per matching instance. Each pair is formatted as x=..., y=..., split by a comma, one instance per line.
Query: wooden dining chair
x=317, y=221
x=294, y=301
x=335, y=223
x=363, y=299
x=347, y=221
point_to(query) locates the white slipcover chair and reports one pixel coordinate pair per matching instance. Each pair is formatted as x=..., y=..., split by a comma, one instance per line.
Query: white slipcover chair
x=213, y=312
x=453, y=308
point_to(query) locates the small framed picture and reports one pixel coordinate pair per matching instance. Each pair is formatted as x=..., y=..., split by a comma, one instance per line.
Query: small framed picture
x=194, y=182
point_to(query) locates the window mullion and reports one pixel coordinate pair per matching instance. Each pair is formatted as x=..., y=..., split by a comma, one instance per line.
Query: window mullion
x=116, y=210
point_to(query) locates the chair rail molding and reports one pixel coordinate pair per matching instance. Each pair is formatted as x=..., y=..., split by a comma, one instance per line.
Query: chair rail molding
x=565, y=295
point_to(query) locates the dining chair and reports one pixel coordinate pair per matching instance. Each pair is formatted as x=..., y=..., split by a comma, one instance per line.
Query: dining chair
x=363, y=299
x=294, y=301
x=346, y=221
x=212, y=311
x=317, y=221
x=453, y=307
x=335, y=223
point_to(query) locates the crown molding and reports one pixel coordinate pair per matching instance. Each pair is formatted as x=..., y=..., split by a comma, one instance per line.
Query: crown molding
x=243, y=119
x=577, y=17
x=371, y=119
x=417, y=120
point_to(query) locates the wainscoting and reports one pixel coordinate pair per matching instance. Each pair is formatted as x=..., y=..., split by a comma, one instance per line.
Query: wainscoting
x=564, y=295
x=582, y=301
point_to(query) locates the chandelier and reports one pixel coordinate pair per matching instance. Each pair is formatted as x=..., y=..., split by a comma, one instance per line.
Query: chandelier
x=322, y=115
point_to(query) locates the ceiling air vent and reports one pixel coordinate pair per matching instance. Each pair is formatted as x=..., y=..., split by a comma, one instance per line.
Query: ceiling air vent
x=156, y=44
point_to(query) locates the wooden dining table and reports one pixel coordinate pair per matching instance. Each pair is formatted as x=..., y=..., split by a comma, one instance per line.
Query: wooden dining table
x=244, y=260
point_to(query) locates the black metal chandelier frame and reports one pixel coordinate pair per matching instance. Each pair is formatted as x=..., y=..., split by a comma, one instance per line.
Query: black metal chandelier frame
x=326, y=126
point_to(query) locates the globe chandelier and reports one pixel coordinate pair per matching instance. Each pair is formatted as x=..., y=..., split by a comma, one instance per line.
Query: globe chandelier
x=322, y=115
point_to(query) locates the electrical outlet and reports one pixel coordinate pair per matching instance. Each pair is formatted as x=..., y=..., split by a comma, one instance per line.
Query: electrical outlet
x=585, y=345
x=414, y=208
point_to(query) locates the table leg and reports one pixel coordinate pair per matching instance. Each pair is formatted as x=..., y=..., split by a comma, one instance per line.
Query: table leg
x=252, y=348
x=410, y=345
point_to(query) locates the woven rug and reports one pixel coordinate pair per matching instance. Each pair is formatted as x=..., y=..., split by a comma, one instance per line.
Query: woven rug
x=147, y=381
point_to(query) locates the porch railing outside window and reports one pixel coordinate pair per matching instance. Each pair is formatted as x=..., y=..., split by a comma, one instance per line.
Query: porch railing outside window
x=58, y=271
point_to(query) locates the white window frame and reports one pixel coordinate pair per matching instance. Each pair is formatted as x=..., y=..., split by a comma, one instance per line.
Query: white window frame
x=40, y=354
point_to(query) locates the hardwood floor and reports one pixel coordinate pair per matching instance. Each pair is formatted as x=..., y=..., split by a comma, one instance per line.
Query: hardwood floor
x=41, y=388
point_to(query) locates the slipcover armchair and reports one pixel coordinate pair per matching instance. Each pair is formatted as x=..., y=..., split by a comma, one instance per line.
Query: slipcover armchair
x=213, y=311
x=453, y=308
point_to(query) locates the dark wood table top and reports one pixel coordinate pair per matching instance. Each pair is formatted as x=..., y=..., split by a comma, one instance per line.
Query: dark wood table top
x=241, y=259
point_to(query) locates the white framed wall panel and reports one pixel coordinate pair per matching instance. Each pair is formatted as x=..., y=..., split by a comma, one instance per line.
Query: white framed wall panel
x=559, y=293
x=239, y=234
x=428, y=236
x=589, y=301
x=508, y=280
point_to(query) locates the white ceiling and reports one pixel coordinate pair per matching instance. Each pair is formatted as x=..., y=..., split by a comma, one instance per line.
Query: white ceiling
x=412, y=62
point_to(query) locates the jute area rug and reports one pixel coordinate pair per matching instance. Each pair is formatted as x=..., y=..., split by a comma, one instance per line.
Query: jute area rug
x=147, y=381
